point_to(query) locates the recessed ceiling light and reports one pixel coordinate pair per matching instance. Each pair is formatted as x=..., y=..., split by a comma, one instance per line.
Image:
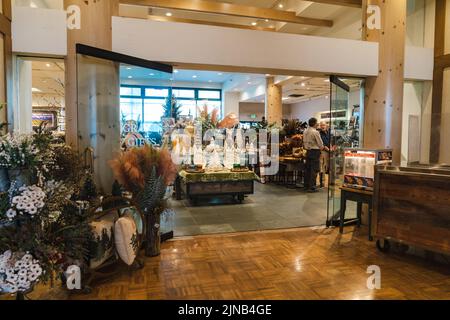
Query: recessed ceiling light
x=254, y=23
x=152, y=74
x=130, y=77
x=194, y=76
x=129, y=68
x=303, y=84
x=267, y=75
x=281, y=6
x=267, y=20
x=168, y=14
x=48, y=65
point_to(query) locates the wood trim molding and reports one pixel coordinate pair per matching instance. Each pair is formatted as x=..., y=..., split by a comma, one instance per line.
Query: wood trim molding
x=231, y=10
x=7, y=9
x=344, y=3
x=5, y=25
x=441, y=62
x=209, y=23
x=5, y=29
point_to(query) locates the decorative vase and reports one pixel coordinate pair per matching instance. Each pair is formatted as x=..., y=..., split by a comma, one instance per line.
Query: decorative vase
x=20, y=177
x=4, y=180
x=153, y=234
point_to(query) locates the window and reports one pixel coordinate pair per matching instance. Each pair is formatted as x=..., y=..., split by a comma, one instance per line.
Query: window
x=157, y=92
x=131, y=109
x=130, y=91
x=184, y=93
x=153, y=110
x=145, y=104
x=209, y=94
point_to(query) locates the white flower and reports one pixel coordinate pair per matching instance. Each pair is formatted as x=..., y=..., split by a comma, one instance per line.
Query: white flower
x=32, y=211
x=28, y=257
x=16, y=200
x=12, y=278
x=40, y=204
x=33, y=277
x=11, y=213
x=22, y=272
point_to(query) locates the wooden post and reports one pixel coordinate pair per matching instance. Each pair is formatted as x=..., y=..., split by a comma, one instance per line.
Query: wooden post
x=96, y=31
x=384, y=93
x=93, y=88
x=274, y=102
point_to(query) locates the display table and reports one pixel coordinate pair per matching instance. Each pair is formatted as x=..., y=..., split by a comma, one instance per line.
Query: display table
x=359, y=196
x=196, y=185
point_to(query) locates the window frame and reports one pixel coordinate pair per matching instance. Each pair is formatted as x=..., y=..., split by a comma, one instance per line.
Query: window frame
x=143, y=97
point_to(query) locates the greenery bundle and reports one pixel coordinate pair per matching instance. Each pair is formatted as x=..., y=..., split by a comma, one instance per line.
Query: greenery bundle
x=172, y=109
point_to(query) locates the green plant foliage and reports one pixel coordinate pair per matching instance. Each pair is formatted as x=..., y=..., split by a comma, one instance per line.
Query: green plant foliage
x=153, y=193
x=172, y=109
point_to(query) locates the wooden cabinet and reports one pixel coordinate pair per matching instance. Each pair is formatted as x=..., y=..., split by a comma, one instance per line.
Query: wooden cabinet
x=412, y=206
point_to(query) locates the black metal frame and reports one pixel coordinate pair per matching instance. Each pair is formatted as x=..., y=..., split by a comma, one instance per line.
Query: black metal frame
x=122, y=58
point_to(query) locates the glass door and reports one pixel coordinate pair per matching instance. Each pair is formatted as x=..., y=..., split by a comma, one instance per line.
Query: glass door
x=339, y=106
x=110, y=114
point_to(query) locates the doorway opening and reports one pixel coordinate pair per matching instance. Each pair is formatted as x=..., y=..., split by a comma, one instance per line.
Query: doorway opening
x=40, y=94
x=142, y=102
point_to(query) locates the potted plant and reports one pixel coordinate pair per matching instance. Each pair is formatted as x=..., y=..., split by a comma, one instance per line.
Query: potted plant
x=147, y=172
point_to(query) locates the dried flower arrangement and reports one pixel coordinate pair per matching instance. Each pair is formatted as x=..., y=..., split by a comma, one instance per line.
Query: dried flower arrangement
x=146, y=172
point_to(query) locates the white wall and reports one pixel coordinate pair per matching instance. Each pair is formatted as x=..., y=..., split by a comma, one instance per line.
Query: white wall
x=309, y=109
x=231, y=103
x=246, y=109
x=412, y=106
x=201, y=44
x=39, y=31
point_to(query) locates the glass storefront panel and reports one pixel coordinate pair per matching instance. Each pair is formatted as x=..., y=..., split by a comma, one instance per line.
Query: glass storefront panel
x=108, y=122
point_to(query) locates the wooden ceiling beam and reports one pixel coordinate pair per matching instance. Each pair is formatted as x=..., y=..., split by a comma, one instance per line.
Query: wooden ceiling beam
x=210, y=23
x=231, y=10
x=343, y=3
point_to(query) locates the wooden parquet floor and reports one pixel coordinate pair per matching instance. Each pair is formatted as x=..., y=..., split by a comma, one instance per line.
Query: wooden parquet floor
x=307, y=263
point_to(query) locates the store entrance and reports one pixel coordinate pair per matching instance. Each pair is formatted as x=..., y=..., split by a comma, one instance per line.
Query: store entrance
x=345, y=133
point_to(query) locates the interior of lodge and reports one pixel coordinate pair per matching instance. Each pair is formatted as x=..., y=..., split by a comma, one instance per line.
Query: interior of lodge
x=150, y=127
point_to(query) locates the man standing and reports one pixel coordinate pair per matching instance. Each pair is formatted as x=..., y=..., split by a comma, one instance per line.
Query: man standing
x=314, y=145
x=325, y=155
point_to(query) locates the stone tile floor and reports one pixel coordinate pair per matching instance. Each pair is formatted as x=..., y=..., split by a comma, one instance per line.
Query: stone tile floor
x=271, y=207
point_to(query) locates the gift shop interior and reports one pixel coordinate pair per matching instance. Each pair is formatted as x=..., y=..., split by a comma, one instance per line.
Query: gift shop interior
x=234, y=149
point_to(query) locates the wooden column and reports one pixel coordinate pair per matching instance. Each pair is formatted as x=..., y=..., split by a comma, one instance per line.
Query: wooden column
x=441, y=62
x=6, y=83
x=96, y=31
x=384, y=93
x=93, y=89
x=274, y=102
